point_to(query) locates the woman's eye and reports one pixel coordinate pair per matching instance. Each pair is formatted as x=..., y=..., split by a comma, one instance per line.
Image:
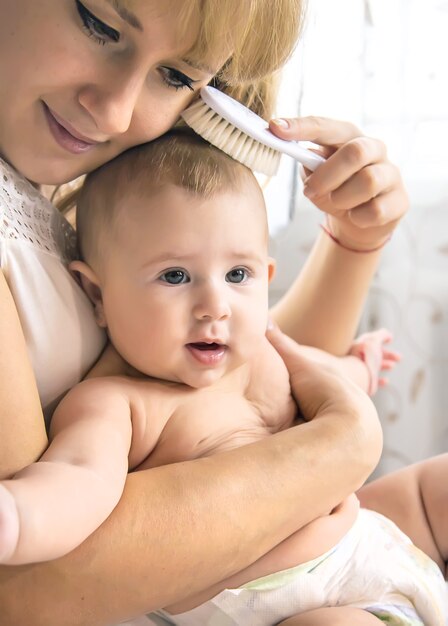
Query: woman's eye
x=237, y=275
x=176, y=79
x=95, y=28
x=175, y=277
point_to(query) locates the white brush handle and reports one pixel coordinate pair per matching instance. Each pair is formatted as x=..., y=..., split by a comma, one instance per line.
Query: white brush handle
x=306, y=157
x=254, y=126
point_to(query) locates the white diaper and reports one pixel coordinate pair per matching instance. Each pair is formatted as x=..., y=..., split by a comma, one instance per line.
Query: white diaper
x=375, y=567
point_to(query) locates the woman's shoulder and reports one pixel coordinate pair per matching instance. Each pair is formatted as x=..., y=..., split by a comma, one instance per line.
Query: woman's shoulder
x=28, y=217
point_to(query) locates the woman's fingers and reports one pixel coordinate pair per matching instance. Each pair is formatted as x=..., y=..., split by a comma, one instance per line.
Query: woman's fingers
x=321, y=130
x=319, y=390
x=289, y=351
x=357, y=186
x=348, y=161
x=360, y=188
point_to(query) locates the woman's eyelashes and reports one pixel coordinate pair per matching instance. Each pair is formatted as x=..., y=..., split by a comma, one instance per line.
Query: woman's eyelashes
x=175, y=78
x=95, y=28
x=101, y=33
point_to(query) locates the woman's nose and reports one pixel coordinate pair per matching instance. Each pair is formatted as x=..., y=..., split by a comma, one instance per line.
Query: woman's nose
x=112, y=104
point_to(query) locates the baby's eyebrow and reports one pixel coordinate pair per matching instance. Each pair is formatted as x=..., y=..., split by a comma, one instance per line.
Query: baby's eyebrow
x=125, y=14
x=169, y=257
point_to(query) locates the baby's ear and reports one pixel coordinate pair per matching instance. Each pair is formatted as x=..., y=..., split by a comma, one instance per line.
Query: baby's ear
x=89, y=281
x=272, y=265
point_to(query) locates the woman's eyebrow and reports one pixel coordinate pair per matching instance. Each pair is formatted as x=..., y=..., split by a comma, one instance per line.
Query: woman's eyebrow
x=198, y=65
x=125, y=14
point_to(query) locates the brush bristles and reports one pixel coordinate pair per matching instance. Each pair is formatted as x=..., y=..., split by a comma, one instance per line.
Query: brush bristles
x=234, y=142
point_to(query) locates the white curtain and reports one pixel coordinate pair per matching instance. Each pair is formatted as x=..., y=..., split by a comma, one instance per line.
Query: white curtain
x=382, y=64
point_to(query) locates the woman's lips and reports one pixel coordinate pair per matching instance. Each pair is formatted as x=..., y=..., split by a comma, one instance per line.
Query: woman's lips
x=64, y=138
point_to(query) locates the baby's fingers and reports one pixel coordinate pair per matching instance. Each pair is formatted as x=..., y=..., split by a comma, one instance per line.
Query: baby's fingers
x=391, y=355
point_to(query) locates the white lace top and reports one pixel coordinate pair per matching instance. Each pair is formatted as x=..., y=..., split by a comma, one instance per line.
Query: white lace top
x=36, y=243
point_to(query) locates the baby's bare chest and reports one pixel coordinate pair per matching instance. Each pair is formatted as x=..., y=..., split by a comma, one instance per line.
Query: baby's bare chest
x=193, y=423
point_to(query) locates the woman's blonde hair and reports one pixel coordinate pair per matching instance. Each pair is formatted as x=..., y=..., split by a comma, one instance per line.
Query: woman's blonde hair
x=259, y=35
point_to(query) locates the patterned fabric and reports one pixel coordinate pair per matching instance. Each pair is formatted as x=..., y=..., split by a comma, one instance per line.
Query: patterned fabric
x=29, y=217
x=36, y=244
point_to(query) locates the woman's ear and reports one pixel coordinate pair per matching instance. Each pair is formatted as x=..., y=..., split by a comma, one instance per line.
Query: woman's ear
x=271, y=268
x=91, y=285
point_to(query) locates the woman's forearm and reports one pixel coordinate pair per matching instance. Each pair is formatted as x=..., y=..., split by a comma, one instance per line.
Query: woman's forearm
x=323, y=306
x=180, y=528
x=22, y=429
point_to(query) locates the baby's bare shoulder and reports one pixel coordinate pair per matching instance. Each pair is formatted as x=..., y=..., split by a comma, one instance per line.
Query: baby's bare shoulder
x=269, y=389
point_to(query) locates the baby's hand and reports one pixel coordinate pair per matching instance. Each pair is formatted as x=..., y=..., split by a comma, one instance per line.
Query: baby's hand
x=372, y=349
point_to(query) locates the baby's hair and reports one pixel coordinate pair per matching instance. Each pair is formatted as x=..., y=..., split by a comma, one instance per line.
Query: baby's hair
x=179, y=158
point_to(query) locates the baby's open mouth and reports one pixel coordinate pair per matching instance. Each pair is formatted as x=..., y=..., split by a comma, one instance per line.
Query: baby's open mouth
x=208, y=354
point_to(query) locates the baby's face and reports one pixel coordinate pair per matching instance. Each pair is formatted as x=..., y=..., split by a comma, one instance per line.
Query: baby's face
x=185, y=286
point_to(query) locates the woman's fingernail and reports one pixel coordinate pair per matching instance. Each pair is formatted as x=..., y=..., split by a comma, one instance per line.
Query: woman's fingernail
x=271, y=324
x=281, y=122
x=309, y=193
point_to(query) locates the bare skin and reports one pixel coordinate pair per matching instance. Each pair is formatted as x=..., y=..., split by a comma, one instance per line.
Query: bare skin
x=222, y=493
x=340, y=616
x=63, y=582
x=208, y=354
x=361, y=215
x=108, y=598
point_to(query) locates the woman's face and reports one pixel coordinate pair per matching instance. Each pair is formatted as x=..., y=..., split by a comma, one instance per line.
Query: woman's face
x=82, y=81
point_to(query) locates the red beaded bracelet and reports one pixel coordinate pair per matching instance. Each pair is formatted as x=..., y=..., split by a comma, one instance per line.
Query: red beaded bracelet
x=337, y=241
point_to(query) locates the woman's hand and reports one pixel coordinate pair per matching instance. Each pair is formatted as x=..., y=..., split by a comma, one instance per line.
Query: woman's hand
x=358, y=187
x=320, y=390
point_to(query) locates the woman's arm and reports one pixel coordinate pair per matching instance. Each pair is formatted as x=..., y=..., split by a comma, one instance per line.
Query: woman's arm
x=363, y=195
x=323, y=306
x=22, y=428
x=180, y=528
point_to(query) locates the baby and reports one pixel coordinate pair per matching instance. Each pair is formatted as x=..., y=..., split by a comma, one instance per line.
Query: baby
x=173, y=237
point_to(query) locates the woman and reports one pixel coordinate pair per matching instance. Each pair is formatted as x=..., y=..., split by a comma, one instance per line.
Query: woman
x=79, y=83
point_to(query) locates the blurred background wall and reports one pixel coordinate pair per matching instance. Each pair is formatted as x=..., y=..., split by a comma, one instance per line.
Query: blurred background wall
x=383, y=65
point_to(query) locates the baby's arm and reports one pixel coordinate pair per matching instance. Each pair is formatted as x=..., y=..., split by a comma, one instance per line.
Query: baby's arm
x=22, y=429
x=51, y=506
x=367, y=357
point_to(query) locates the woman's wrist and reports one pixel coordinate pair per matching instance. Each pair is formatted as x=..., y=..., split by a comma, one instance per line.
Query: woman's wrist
x=355, y=240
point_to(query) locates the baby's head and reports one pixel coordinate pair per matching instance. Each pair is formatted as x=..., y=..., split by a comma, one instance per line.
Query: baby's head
x=173, y=236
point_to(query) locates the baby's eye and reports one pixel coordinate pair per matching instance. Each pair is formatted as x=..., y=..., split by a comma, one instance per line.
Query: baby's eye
x=237, y=275
x=175, y=277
